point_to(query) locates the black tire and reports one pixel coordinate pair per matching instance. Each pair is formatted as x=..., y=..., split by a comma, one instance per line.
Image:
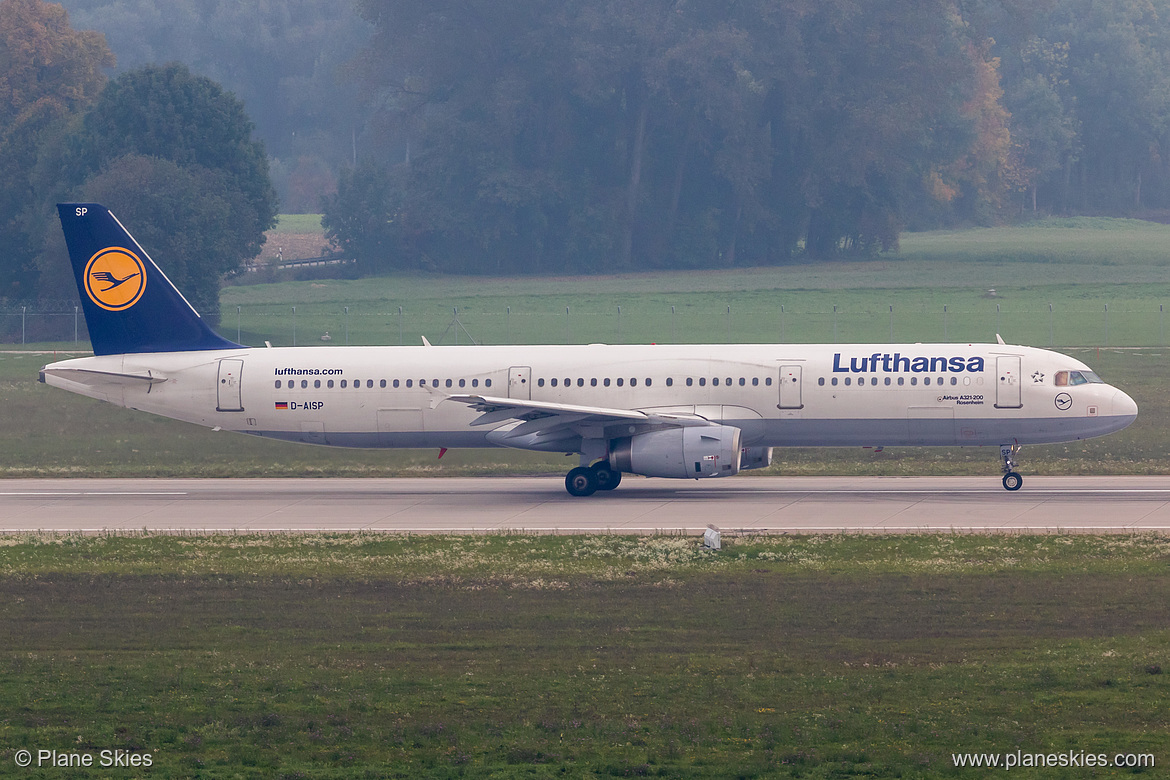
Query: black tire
x=581, y=482
x=607, y=478
x=1012, y=481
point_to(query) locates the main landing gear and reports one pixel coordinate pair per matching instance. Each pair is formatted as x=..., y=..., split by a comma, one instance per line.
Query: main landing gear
x=587, y=480
x=1011, y=478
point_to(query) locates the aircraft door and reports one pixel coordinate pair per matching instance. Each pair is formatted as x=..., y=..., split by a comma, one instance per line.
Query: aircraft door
x=790, y=392
x=1009, y=384
x=520, y=382
x=229, y=387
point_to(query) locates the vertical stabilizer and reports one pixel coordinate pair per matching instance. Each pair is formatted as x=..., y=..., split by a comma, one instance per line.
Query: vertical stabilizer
x=129, y=304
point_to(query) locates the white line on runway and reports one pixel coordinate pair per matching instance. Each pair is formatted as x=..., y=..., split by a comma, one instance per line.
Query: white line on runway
x=90, y=493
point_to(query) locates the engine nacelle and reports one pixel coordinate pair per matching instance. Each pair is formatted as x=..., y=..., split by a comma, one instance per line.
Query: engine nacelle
x=755, y=458
x=679, y=453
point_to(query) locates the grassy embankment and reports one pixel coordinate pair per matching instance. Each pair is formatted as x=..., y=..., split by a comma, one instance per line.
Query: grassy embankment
x=1078, y=266
x=513, y=656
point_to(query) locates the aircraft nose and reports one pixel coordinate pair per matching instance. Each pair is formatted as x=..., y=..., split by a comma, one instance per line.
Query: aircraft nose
x=1123, y=405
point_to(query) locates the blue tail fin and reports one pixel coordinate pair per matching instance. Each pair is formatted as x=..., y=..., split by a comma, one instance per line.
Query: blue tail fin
x=129, y=304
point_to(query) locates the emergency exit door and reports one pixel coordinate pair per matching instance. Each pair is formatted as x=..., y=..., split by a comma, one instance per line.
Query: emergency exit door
x=520, y=382
x=1009, y=382
x=228, y=387
x=790, y=392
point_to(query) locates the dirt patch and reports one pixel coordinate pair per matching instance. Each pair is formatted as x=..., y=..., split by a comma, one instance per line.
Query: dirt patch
x=292, y=246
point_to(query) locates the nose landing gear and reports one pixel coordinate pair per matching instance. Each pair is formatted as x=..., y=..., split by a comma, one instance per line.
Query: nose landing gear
x=1011, y=478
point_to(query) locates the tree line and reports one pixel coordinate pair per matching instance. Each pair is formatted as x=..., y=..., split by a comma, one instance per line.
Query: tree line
x=602, y=135
x=576, y=136
x=170, y=152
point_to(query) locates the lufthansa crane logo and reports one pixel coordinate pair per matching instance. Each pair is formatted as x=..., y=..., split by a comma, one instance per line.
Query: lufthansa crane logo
x=115, y=278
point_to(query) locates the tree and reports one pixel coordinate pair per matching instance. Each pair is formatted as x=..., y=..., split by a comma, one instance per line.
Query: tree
x=170, y=115
x=594, y=135
x=48, y=72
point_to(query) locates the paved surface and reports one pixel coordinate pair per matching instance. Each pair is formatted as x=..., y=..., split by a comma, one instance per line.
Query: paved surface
x=485, y=504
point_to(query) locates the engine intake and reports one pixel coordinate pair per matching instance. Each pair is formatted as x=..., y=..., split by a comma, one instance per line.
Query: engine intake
x=679, y=453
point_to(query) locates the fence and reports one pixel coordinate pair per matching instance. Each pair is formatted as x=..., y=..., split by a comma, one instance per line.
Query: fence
x=700, y=322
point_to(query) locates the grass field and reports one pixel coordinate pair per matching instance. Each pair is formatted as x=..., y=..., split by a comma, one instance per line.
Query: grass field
x=515, y=656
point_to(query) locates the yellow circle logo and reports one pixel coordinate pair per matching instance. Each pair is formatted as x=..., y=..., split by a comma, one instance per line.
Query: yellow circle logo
x=115, y=278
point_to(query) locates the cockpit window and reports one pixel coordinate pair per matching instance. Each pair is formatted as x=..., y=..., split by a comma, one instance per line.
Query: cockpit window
x=1073, y=378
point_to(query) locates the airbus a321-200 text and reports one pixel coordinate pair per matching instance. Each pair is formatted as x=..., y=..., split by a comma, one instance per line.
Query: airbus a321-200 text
x=682, y=411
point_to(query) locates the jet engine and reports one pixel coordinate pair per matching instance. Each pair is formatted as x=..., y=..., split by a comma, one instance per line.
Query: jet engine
x=679, y=453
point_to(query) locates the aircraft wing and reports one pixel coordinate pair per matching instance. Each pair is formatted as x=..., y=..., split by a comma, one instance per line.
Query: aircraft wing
x=545, y=419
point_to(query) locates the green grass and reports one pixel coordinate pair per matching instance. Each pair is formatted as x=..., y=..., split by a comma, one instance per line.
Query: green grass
x=516, y=656
x=297, y=223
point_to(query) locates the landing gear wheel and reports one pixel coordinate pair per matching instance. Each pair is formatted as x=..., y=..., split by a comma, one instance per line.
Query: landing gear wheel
x=607, y=478
x=1011, y=478
x=581, y=481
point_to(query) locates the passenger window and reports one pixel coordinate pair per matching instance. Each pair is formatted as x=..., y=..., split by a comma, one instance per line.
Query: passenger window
x=382, y=383
x=887, y=381
x=821, y=381
x=487, y=383
x=715, y=381
x=647, y=381
x=954, y=381
x=729, y=381
x=690, y=381
x=621, y=382
x=434, y=383
x=448, y=383
x=901, y=381
x=913, y=381
x=329, y=383
x=756, y=381
x=317, y=384
x=475, y=383
x=633, y=381
x=396, y=383
x=670, y=381
x=568, y=383
x=580, y=382
x=605, y=382
x=848, y=381
x=540, y=382
x=463, y=383
x=593, y=382
x=279, y=384
x=343, y=385
x=304, y=383
x=702, y=381
x=768, y=381
x=926, y=380
x=409, y=383
x=834, y=381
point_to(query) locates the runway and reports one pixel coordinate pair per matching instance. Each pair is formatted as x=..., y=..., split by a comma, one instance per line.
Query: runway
x=540, y=504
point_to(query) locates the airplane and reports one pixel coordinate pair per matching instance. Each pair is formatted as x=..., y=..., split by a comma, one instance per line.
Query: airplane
x=684, y=411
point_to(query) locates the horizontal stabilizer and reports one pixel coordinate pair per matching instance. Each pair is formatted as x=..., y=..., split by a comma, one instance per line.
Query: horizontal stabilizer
x=86, y=376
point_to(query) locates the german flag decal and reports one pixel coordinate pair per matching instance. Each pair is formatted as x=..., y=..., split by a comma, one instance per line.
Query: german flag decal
x=281, y=405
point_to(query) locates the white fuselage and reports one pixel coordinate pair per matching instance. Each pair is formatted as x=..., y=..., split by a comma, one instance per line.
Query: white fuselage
x=778, y=395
